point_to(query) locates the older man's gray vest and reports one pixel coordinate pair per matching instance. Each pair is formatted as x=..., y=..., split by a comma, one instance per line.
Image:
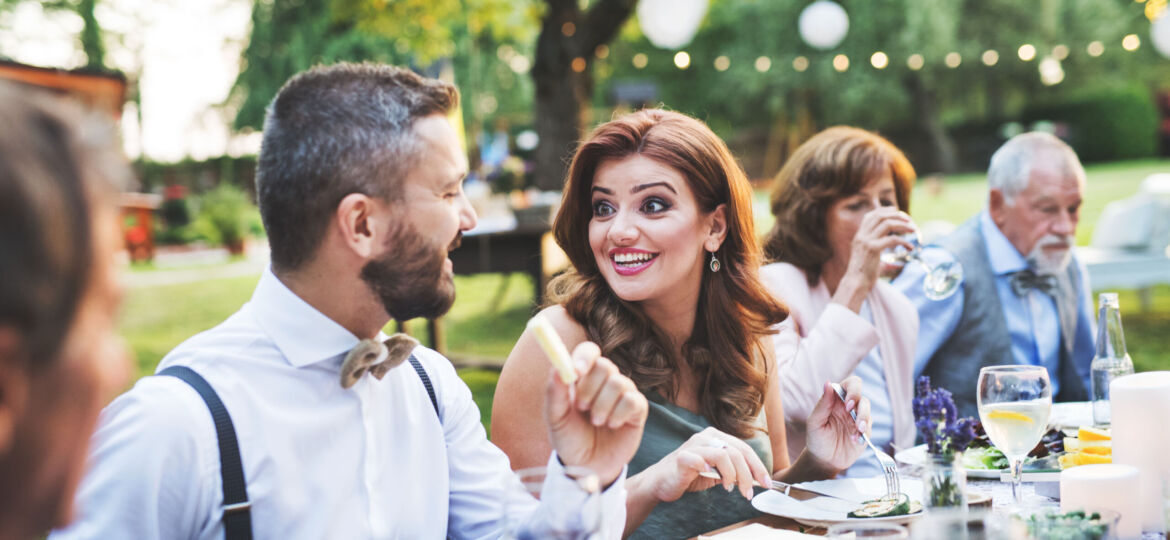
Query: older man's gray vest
x=981, y=337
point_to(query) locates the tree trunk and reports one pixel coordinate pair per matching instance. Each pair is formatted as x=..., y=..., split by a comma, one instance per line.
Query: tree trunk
x=927, y=119
x=563, y=95
x=91, y=36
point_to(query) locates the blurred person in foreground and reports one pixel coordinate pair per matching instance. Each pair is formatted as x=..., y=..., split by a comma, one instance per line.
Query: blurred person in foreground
x=359, y=181
x=657, y=221
x=60, y=359
x=839, y=201
x=1025, y=297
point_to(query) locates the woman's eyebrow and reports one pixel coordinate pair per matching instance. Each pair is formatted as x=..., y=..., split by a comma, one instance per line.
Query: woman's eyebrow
x=641, y=187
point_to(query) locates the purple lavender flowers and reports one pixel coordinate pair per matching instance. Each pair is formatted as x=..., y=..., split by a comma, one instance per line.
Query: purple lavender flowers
x=935, y=418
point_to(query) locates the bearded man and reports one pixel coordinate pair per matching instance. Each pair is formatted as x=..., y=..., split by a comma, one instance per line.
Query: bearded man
x=1024, y=298
x=359, y=182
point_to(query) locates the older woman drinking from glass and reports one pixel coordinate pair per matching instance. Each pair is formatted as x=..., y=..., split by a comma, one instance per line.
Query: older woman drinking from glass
x=656, y=219
x=839, y=201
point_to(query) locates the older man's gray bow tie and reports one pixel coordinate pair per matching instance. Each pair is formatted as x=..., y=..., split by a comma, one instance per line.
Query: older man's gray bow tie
x=1063, y=294
x=1027, y=279
x=376, y=358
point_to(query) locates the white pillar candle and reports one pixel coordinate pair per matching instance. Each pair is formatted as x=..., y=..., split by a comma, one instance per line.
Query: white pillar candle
x=1104, y=487
x=1140, y=406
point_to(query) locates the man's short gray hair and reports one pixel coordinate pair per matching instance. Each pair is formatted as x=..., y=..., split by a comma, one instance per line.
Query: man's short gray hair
x=1012, y=165
x=332, y=131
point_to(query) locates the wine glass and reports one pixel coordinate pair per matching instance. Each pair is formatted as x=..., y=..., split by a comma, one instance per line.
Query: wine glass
x=942, y=280
x=1014, y=405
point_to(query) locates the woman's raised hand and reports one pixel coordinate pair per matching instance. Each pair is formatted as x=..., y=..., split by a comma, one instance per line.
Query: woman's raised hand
x=737, y=464
x=833, y=436
x=879, y=230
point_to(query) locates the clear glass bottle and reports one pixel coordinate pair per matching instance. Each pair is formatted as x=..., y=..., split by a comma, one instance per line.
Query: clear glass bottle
x=1111, y=360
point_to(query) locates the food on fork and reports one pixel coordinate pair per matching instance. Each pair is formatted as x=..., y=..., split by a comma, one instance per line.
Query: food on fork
x=887, y=506
x=550, y=342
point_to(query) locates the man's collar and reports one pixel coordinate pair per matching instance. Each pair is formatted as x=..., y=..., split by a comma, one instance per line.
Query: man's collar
x=304, y=335
x=1003, y=257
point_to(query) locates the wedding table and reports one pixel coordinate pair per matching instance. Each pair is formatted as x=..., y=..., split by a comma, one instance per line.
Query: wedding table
x=1000, y=492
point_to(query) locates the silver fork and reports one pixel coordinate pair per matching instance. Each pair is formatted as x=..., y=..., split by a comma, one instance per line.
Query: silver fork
x=889, y=466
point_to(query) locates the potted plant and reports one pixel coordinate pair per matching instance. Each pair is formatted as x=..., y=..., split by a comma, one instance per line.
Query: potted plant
x=946, y=436
x=226, y=209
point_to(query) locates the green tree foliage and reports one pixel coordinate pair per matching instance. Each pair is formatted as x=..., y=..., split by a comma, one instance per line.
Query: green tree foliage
x=936, y=97
x=291, y=36
x=288, y=37
x=91, y=37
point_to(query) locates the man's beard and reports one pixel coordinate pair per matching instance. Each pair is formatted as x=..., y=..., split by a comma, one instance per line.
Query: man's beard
x=409, y=279
x=1051, y=262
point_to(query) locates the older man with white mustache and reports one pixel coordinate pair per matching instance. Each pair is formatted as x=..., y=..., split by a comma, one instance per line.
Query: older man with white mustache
x=1025, y=298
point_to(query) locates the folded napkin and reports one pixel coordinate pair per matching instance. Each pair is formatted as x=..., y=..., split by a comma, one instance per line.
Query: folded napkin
x=759, y=531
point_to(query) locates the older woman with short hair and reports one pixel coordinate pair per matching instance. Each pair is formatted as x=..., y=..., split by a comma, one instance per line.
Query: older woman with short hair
x=839, y=201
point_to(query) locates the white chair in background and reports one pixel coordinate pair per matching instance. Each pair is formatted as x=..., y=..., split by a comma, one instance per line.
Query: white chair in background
x=1130, y=248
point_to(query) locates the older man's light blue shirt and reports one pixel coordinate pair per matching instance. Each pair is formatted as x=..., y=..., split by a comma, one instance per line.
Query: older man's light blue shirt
x=1032, y=320
x=872, y=373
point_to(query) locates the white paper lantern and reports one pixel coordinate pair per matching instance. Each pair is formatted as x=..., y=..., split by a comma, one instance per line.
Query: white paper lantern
x=1051, y=72
x=823, y=24
x=670, y=24
x=1160, y=33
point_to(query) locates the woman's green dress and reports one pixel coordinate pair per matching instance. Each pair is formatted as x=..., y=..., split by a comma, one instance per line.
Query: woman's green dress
x=668, y=426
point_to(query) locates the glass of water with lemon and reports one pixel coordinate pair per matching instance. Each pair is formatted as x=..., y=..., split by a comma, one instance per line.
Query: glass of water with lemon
x=1014, y=405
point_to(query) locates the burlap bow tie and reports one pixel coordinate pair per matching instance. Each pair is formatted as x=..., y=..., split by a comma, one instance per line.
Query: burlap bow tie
x=375, y=357
x=1061, y=291
x=1027, y=279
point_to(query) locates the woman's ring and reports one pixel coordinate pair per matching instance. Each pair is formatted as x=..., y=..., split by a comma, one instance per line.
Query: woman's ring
x=717, y=443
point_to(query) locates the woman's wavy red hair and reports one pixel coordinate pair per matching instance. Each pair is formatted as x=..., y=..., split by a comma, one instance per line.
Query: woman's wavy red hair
x=735, y=312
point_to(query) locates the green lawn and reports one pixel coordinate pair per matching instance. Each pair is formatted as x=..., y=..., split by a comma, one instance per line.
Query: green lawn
x=489, y=315
x=490, y=310
x=956, y=198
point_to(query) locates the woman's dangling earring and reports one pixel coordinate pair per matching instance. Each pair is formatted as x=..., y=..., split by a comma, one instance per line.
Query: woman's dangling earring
x=715, y=266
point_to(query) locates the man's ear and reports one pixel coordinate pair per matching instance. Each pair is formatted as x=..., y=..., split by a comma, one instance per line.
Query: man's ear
x=717, y=232
x=14, y=385
x=360, y=222
x=997, y=207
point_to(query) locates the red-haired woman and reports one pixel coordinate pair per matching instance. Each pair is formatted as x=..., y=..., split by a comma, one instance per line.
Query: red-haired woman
x=839, y=201
x=656, y=220
x=60, y=356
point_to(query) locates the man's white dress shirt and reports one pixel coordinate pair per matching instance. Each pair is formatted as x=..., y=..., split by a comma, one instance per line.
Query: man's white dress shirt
x=321, y=461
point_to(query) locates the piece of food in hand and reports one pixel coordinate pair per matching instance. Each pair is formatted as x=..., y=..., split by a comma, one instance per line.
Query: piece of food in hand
x=550, y=342
x=886, y=507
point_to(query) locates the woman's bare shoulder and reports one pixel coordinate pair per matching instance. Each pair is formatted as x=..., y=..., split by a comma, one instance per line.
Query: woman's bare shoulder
x=571, y=331
x=527, y=358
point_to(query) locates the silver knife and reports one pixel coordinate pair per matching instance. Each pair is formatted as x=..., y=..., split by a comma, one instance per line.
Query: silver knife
x=796, y=492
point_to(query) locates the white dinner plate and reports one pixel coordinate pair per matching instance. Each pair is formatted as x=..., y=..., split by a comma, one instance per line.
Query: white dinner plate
x=916, y=456
x=853, y=489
